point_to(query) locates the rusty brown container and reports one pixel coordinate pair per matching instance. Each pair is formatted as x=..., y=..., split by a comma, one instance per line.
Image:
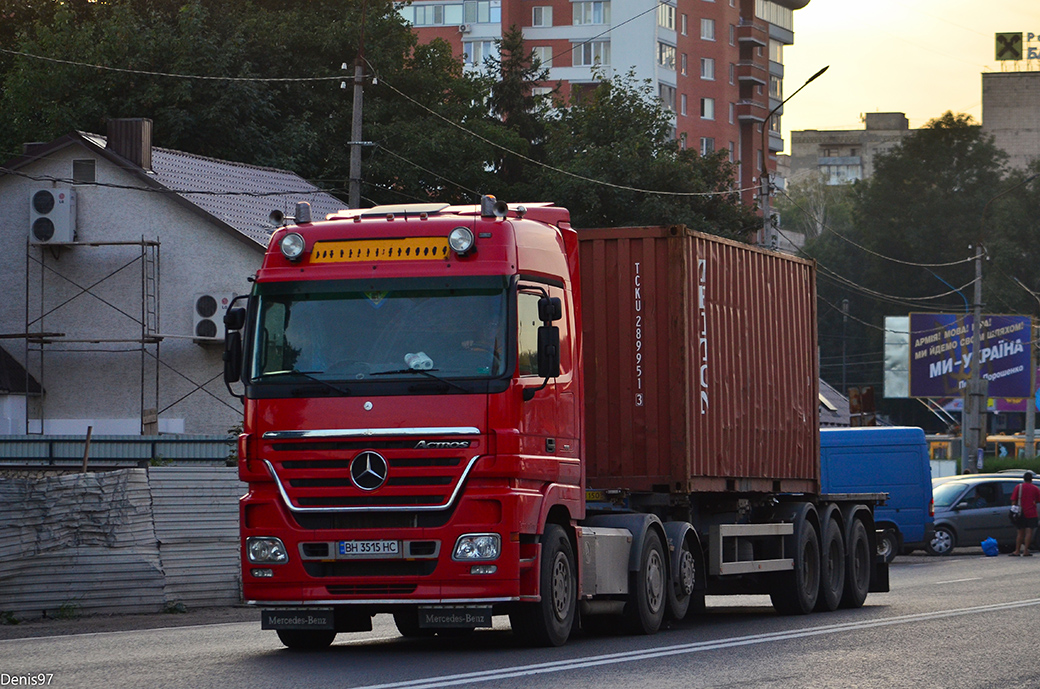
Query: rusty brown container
x=700, y=364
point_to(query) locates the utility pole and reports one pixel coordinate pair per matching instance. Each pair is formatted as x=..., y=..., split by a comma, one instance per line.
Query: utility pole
x=354, y=197
x=766, y=182
x=844, y=324
x=973, y=428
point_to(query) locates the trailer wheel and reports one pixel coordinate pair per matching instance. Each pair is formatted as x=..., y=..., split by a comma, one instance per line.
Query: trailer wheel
x=680, y=592
x=549, y=621
x=888, y=545
x=795, y=592
x=857, y=566
x=832, y=567
x=648, y=588
x=306, y=639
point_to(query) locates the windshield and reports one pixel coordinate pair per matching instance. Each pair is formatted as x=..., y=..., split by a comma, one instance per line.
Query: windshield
x=348, y=331
x=945, y=493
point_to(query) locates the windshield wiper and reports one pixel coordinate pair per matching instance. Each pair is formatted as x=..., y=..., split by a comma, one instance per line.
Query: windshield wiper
x=309, y=375
x=422, y=372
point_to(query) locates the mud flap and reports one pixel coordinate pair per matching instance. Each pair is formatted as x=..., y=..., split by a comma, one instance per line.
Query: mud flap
x=879, y=579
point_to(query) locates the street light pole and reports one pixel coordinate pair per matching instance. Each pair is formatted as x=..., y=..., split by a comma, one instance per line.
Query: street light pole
x=766, y=183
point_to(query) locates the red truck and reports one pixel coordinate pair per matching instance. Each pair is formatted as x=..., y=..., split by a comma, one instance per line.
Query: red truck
x=456, y=412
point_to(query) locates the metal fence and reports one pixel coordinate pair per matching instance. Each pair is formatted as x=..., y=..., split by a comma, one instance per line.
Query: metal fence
x=49, y=452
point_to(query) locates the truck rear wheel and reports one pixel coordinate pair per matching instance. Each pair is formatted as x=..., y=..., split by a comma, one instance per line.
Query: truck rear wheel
x=832, y=567
x=795, y=592
x=648, y=588
x=857, y=566
x=306, y=639
x=680, y=592
x=549, y=621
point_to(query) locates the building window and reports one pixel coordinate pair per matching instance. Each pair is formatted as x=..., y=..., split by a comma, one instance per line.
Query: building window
x=429, y=14
x=475, y=52
x=592, y=53
x=682, y=104
x=732, y=151
x=84, y=171
x=541, y=16
x=708, y=68
x=708, y=29
x=776, y=87
x=590, y=13
x=732, y=34
x=776, y=51
x=732, y=73
x=538, y=91
x=707, y=108
x=666, y=55
x=683, y=25
x=732, y=112
x=775, y=14
x=707, y=145
x=666, y=16
x=543, y=54
x=483, y=11
x=667, y=95
x=682, y=63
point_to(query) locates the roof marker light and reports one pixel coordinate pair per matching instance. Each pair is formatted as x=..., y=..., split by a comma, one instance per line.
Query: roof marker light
x=292, y=246
x=461, y=240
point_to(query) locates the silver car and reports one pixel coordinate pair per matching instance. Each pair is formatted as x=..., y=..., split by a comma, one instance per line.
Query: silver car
x=969, y=509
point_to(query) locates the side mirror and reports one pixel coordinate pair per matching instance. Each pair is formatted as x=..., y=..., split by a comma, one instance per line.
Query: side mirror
x=232, y=357
x=549, y=309
x=549, y=351
x=234, y=318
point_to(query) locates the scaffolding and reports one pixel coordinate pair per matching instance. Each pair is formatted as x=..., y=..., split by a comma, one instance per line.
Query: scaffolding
x=38, y=339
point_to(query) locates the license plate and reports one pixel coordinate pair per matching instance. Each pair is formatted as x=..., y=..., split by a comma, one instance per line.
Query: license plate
x=454, y=617
x=297, y=618
x=362, y=549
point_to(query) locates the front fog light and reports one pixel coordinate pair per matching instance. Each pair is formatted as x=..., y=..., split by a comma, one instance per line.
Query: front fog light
x=480, y=546
x=266, y=550
x=292, y=246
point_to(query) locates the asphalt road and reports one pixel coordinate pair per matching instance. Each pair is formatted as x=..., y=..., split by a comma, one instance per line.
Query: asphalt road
x=959, y=621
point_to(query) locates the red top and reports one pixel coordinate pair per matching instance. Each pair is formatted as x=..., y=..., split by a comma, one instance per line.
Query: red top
x=1030, y=497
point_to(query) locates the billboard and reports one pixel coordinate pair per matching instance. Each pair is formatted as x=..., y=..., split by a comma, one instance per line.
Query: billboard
x=941, y=356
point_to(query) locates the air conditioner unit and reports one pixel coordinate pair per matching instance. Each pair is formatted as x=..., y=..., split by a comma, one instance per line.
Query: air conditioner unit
x=465, y=28
x=52, y=215
x=208, y=317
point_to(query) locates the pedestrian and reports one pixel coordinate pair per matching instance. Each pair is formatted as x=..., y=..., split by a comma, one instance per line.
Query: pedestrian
x=1028, y=496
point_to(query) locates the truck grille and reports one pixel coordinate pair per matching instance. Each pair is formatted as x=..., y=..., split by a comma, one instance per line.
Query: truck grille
x=315, y=476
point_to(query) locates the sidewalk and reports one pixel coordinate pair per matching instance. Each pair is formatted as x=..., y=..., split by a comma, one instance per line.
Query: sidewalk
x=93, y=624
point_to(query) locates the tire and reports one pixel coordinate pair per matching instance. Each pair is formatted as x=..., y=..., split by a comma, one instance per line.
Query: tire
x=681, y=592
x=795, y=592
x=888, y=545
x=648, y=588
x=306, y=639
x=549, y=621
x=407, y=621
x=943, y=542
x=858, y=566
x=832, y=567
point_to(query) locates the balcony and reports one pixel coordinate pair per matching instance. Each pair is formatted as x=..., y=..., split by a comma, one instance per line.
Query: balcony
x=751, y=111
x=752, y=33
x=752, y=72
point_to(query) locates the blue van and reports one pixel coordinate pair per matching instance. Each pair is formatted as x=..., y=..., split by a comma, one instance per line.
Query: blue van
x=891, y=460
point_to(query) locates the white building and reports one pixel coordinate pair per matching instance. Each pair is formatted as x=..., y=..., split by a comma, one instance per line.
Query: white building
x=123, y=258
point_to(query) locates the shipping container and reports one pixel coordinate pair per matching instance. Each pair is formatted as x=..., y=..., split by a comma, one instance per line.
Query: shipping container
x=700, y=363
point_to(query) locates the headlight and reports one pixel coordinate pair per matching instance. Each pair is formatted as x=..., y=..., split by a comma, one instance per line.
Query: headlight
x=478, y=546
x=460, y=240
x=292, y=246
x=266, y=550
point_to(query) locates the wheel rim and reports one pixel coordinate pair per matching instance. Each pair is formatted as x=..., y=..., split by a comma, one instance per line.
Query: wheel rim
x=687, y=572
x=885, y=546
x=942, y=541
x=654, y=581
x=561, y=587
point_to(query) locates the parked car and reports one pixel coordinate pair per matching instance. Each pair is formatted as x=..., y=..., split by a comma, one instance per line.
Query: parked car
x=971, y=508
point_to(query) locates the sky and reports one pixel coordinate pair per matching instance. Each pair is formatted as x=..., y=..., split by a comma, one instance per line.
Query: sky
x=918, y=57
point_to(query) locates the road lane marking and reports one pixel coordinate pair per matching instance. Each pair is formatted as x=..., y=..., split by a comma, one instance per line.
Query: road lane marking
x=499, y=674
x=958, y=581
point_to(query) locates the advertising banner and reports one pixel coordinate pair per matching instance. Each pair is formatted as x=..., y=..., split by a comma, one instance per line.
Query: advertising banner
x=941, y=358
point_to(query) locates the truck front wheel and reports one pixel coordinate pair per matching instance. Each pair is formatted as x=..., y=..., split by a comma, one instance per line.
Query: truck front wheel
x=680, y=592
x=648, y=588
x=549, y=621
x=306, y=640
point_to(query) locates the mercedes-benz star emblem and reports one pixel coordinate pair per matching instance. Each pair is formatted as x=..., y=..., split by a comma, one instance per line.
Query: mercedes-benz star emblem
x=368, y=470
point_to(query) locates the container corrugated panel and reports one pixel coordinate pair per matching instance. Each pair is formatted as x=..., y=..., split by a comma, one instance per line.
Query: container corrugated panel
x=700, y=363
x=196, y=522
